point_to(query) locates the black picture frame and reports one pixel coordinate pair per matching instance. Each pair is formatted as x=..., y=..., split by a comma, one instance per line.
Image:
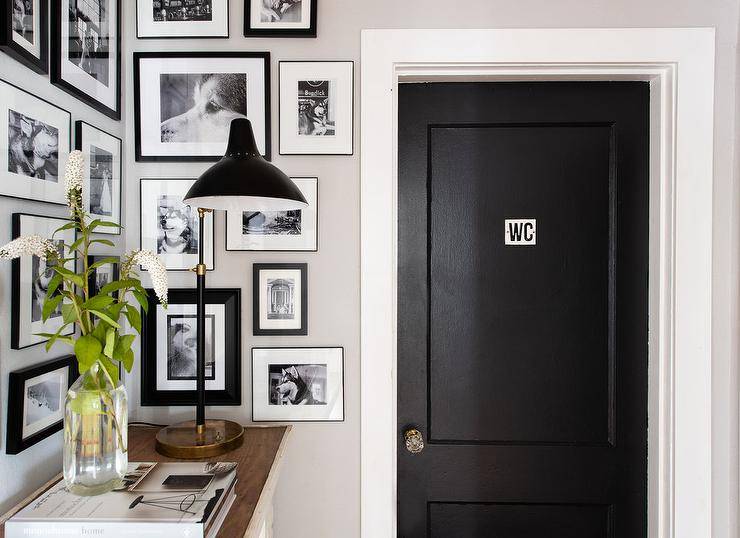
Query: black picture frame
x=91, y=279
x=185, y=36
x=277, y=32
x=139, y=56
x=14, y=441
x=79, y=145
x=56, y=63
x=257, y=293
x=38, y=64
x=231, y=394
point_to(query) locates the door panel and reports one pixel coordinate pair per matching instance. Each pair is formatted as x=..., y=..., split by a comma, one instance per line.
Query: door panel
x=524, y=366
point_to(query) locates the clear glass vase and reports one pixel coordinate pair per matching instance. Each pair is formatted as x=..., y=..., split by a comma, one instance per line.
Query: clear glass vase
x=95, y=433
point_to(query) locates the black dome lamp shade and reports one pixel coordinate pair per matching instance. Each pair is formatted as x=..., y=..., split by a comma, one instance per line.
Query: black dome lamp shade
x=243, y=180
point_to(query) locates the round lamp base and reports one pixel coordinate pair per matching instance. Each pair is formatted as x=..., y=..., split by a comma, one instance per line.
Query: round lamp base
x=185, y=441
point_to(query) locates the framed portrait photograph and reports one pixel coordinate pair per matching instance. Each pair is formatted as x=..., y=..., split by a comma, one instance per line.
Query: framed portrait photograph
x=316, y=108
x=169, y=227
x=34, y=146
x=280, y=299
x=103, y=173
x=175, y=18
x=169, y=348
x=185, y=102
x=280, y=18
x=103, y=274
x=24, y=33
x=298, y=384
x=295, y=230
x=86, y=40
x=36, y=395
x=31, y=277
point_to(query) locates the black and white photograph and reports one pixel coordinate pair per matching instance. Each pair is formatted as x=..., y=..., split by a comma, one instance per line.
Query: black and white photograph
x=276, y=231
x=36, y=394
x=87, y=46
x=24, y=34
x=169, y=348
x=298, y=384
x=182, y=347
x=103, y=174
x=280, y=299
x=280, y=18
x=33, y=147
x=169, y=227
x=104, y=274
x=182, y=18
x=316, y=108
x=185, y=103
x=31, y=277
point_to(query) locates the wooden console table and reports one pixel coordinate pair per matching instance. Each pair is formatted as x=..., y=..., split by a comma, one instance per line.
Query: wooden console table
x=259, y=461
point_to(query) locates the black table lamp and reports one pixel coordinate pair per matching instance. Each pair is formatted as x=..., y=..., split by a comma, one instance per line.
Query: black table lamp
x=241, y=181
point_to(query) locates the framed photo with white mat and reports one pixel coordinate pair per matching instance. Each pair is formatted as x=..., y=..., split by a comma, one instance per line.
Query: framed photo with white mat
x=280, y=299
x=195, y=19
x=24, y=33
x=280, y=18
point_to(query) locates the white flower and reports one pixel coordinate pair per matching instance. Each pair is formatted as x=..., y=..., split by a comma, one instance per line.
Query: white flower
x=156, y=269
x=28, y=245
x=73, y=177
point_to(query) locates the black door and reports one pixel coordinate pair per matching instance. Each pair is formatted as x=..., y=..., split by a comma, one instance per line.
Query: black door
x=523, y=309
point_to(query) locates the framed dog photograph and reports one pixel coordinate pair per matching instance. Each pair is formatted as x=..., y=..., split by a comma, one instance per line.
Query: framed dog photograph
x=169, y=348
x=36, y=397
x=169, y=227
x=280, y=299
x=185, y=102
x=298, y=384
x=280, y=18
x=316, y=108
x=103, y=274
x=86, y=38
x=24, y=33
x=175, y=18
x=31, y=277
x=34, y=146
x=295, y=230
x=103, y=173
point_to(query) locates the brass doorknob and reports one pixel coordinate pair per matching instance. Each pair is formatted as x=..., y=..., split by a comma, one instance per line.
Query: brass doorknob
x=414, y=440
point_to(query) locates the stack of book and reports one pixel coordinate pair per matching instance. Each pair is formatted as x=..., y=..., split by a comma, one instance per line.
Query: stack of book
x=155, y=500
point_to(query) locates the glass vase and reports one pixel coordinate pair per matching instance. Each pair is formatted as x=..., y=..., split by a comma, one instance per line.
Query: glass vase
x=95, y=433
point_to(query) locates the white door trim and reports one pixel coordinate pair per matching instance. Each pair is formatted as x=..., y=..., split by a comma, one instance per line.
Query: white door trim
x=679, y=63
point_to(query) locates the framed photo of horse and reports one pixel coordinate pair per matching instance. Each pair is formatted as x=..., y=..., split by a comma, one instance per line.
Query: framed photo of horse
x=280, y=18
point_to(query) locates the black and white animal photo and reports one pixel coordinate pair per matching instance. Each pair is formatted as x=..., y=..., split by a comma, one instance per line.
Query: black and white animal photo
x=182, y=347
x=281, y=11
x=271, y=222
x=33, y=147
x=177, y=231
x=177, y=10
x=23, y=19
x=42, y=400
x=89, y=37
x=41, y=275
x=200, y=107
x=314, y=108
x=297, y=384
x=101, y=181
x=281, y=298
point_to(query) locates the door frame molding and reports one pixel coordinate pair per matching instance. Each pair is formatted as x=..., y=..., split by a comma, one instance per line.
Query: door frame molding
x=679, y=64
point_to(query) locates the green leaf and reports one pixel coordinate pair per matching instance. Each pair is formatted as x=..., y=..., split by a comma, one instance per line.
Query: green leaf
x=87, y=350
x=99, y=331
x=123, y=346
x=68, y=313
x=69, y=275
x=106, y=224
x=118, y=285
x=104, y=261
x=54, y=283
x=142, y=299
x=74, y=246
x=106, y=242
x=114, y=310
x=98, y=302
x=110, y=366
x=128, y=360
x=105, y=318
x=67, y=226
x=110, y=342
x=134, y=318
x=50, y=305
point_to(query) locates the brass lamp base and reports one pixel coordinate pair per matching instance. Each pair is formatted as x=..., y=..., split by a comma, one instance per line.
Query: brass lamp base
x=186, y=442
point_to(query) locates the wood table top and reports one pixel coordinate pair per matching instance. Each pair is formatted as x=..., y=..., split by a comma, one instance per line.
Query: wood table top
x=258, y=458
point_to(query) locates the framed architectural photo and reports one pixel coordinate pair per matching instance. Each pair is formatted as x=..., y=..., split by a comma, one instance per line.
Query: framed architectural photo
x=277, y=230
x=280, y=18
x=103, y=173
x=173, y=18
x=316, y=108
x=169, y=348
x=298, y=384
x=169, y=227
x=24, y=32
x=36, y=396
x=280, y=299
x=31, y=276
x=103, y=274
x=34, y=146
x=86, y=59
x=185, y=102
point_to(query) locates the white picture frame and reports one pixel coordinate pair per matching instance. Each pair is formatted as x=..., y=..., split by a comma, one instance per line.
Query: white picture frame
x=211, y=20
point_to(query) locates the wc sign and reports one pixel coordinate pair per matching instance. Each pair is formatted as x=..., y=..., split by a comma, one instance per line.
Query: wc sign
x=520, y=232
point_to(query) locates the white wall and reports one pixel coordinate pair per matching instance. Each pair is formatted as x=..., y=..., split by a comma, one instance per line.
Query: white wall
x=318, y=493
